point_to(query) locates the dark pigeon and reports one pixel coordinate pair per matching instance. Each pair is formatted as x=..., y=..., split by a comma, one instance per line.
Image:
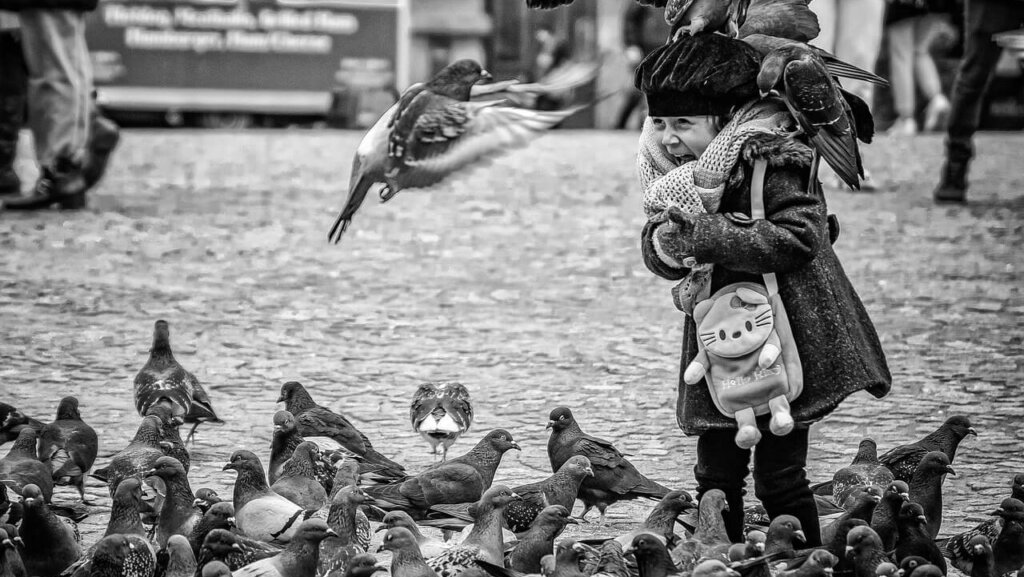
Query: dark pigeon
x=611, y=560
x=235, y=551
x=1008, y=548
x=429, y=547
x=10, y=540
x=298, y=482
x=460, y=480
x=539, y=539
x=1017, y=487
x=784, y=532
x=163, y=381
x=883, y=520
x=217, y=516
x=123, y=556
x=287, y=438
x=299, y=558
x=406, y=559
x=957, y=549
x=441, y=413
x=177, y=516
x=170, y=437
x=709, y=536
x=661, y=520
x=20, y=467
x=50, y=545
x=652, y=557
x=337, y=551
x=12, y=421
x=926, y=487
x=316, y=421
x=363, y=565
x=205, y=498
x=903, y=460
x=913, y=537
x=69, y=446
x=860, y=504
x=558, y=489
x=138, y=457
x=615, y=478
x=865, y=551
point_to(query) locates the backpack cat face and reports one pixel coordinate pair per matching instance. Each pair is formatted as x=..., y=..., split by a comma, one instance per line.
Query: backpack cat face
x=734, y=324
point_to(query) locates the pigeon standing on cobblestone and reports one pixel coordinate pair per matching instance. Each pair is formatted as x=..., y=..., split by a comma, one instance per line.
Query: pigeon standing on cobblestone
x=865, y=469
x=558, y=489
x=434, y=130
x=170, y=437
x=338, y=550
x=903, y=460
x=461, y=480
x=406, y=559
x=299, y=558
x=864, y=549
x=181, y=562
x=539, y=539
x=298, y=482
x=615, y=478
x=1008, y=548
x=429, y=547
x=139, y=456
x=235, y=551
x=652, y=557
x=51, y=545
x=926, y=487
x=661, y=521
x=177, y=515
x=883, y=519
x=163, y=381
x=218, y=516
x=913, y=537
x=287, y=439
x=710, y=538
x=12, y=421
x=259, y=512
x=315, y=421
x=956, y=548
x=784, y=533
x=20, y=467
x=441, y=413
x=860, y=504
x=485, y=539
x=69, y=446
x=205, y=498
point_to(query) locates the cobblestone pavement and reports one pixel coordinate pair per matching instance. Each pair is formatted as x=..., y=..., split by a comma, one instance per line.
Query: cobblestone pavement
x=522, y=280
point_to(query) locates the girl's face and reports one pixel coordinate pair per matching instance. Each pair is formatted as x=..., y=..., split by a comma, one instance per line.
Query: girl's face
x=686, y=135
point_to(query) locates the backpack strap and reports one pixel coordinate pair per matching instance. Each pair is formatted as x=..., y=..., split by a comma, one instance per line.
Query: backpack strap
x=757, y=211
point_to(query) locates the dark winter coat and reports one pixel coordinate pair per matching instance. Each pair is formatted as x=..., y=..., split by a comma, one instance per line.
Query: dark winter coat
x=838, y=346
x=18, y=5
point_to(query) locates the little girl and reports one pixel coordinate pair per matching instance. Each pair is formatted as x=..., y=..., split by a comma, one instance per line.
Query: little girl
x=692, y=85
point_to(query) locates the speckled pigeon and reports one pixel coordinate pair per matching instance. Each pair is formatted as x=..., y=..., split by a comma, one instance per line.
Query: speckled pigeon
x=217, y=516
x=138, y=457
x=956, y=548
x=1008, y=548
x=865, y=469
x=615, y=478
x=235, y=551
x=441, y=412
x=315, y=421
x=485, y=540
x=287, y=438
x=709, y=539
x=903, y=460
x=337, y=551
x=299, y=558
x=69, y=446
x=460, y=480
x=883, y=520
x=162, y=380
x=20, y=467
x=123, y=556
x=435, y=130
x=170, y=437
x=860, y=504
x=558, y=489
x=298, y=482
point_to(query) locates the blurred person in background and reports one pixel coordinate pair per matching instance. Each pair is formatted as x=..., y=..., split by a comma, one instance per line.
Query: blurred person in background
x=60, y=103
x=852, y=30
x=982, y=20
x=644, y=29
x=13, y=95
x=913, y=28
x=552, y=52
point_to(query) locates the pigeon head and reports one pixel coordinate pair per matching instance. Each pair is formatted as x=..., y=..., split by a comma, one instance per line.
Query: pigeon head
x=785, y=529
x=5, y=540
x=5, y=413
x=821, y=558
x=863, y=497
x=354, y=496
x=313, y=531
x=295, y=397
x=243, y=460
x=166, y=415
x=161, y=337
x=867, y=451
x=49, y=441
x=216, y=569
x=960, y=426
x=129, y=490
x=205, y=498
x=284, y=422
x=110, y=552
x=862, y=539
x=363, y=565
x=497, y=497
x=887, y=570
x=569, y=551
x=307, y=451
x=68, y=409
x=31, y=495
x=399, y=539
x=1010, y=509
x=501, y=440
x=560, y=419
x=554, y=516
x=912, y=514
x=648, y=550
x=578, y=466
x=677, y=501
x=713, y=502
x=166, y=468
x=398, y=519
x=180, y=556
x=923, y=568
x=979, y=547
x=933, y=464
x=757, y=539
x=221, y=543
x=221, y=515
x=897, y=490
x=25, y=444
x=12, y=534
x=456, y=79
x=1017, y=484
x=713, y=568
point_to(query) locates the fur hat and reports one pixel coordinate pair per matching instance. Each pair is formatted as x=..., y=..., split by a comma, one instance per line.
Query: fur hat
x=702, y=75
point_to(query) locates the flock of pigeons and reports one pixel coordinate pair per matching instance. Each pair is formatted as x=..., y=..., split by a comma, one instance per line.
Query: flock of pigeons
x=310, y=512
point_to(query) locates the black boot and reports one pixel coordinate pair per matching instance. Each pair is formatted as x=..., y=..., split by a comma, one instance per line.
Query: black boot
x=103, y=138
x=62, y=185
x=953, y=184
x=13, y=96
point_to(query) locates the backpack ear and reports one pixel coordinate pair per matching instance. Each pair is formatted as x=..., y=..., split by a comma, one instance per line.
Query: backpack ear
x=751, y=296
x=701, y=310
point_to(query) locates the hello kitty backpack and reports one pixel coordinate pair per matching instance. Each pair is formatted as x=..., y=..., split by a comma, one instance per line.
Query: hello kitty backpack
x=746, y=351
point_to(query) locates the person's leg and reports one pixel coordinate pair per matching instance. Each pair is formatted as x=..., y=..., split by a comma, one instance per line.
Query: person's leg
x=859, y=29
x=780, y=480
x=927, y=29
x=59, y=90
x=982, y=19
x=827, y=13
x=724, y=466
x=13, y=96
x=901, y=73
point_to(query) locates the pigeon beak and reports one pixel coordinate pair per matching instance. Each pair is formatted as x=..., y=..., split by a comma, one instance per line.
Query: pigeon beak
x=732, y=572
x=236, y=546
x=281, y=399
x=196, y=502
x=381, y=527
x=370, y=501
x=590, y=472
x=330, y=533
x=849, y=550
x=971, y=431
x=905, y=496
x=998, y=511
x=876, y=499
x=227, y=467
x=951, y=471
x=572, y=521
x=516, y=496
x=150, y=473
x=550, y=424
x=515, y=446
x=7, y=543
x=278, y=428
x=799, y=534
x=628, y=550
x=485, y=75
x=231, y=521
x=922, y=518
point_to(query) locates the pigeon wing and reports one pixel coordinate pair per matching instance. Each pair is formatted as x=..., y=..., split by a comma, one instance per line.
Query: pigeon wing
x=450, y=138
x=785, y=19
x=600, y=452
x=321, y=422
x=423, y=403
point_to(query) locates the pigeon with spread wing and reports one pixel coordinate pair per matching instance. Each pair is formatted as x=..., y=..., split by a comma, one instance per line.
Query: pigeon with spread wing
x=434, y=130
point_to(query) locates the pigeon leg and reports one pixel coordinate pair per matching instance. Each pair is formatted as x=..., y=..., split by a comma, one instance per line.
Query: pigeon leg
x=603, y=521
x=444, y=454
x=387, y=193
x=80, y=485
x=192, y=434
x=583, y=515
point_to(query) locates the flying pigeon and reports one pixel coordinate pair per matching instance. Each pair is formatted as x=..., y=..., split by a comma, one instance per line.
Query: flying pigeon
x=434, y=130
x=441, y=413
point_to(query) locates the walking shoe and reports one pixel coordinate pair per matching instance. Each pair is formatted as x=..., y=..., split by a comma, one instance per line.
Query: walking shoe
x=904, y=126
x=953, y=185
x=937, y=114
x=9, y=182
x=62, y=186
x=102, y=142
